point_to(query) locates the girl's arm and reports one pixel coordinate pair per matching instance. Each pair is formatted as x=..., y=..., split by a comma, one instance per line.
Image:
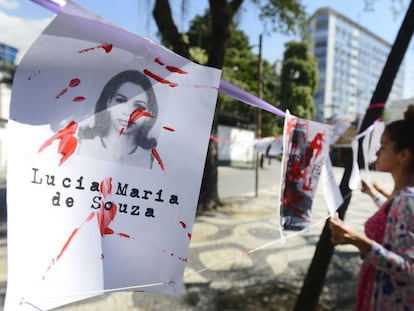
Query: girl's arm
x=396, y=256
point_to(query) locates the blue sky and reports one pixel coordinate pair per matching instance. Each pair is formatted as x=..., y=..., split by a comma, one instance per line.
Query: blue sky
x=22, y=20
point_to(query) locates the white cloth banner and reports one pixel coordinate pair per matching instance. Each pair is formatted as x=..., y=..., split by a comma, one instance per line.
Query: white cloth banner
x=305, y=152
x=331, y=191
x=269, y=146
x=108, y=138
x=371, y=142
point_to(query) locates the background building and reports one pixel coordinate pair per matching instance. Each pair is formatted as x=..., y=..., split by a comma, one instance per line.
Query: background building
x=7, y=67
x=398, y=107
x=350, y=61
x=7, y=53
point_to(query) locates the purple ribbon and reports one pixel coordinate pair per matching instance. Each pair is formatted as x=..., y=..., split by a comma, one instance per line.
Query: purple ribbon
x=237, y=93
x=49, y=4
x=225, y=86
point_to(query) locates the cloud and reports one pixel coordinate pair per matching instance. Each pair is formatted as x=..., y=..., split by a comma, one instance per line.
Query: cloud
x=20, y=33
x=9, y=4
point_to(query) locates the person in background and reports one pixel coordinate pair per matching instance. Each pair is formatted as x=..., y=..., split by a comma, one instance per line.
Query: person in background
x=386, y=278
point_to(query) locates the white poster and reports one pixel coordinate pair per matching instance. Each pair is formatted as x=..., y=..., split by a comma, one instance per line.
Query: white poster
x=371, y=138
x=305, y=151
x=108, y=136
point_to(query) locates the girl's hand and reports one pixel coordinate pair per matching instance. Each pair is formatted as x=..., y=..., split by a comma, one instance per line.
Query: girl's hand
x=380, y=190
x=367, y=189
x=339, y=232
x=342, y=234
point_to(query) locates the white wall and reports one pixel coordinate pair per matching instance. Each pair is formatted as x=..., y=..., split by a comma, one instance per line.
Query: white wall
x=235, y=144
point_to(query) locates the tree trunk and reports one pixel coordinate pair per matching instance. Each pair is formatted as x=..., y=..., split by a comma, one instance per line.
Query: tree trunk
x=166, y=26
x=222, y=13
x=315, y=278
x=221, y=18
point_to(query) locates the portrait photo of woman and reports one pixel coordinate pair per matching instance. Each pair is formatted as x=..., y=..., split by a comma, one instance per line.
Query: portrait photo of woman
x=125, y=113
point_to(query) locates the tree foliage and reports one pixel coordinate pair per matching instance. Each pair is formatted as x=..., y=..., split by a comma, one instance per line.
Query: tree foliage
x=241, y=67
x=287, y=13
x=299, y=80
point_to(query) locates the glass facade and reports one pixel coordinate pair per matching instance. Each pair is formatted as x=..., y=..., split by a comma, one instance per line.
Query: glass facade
x=350, y=62
x=7, y=53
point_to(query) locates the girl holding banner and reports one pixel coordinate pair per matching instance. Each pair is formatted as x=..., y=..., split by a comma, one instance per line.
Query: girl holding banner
x=386, y=279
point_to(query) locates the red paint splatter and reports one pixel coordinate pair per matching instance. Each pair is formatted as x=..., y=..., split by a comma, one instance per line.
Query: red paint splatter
x=158, y=61
x=291, y=125
x=168, y=128
x=105, y=187
x=157, y=157
x=90, y=217
x=183, y=224
x=107, y=47
x=68, y=142
x=78, y=99
x=176, y=70
x=307, y=185
x=105, y=217
x=124, y=235
x=189, y=235
x=86, y=50
x=65, y=246
x=173, y=69
x=317, y=144
x=67, y=147
x=107, y=231
x=61, y=93
x=136, y=114
x=67, y=243
x=74, y=82
x=159, y=79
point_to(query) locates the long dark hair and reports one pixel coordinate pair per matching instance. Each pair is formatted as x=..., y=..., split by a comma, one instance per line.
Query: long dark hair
x=401, y=133
x=102, y=122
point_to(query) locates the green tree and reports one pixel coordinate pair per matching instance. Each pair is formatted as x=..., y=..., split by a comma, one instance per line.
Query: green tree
x=285, y=16
x=241, y=67
x=299, y=80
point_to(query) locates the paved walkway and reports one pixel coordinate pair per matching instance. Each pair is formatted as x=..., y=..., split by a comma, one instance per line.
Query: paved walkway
x=218, y=264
